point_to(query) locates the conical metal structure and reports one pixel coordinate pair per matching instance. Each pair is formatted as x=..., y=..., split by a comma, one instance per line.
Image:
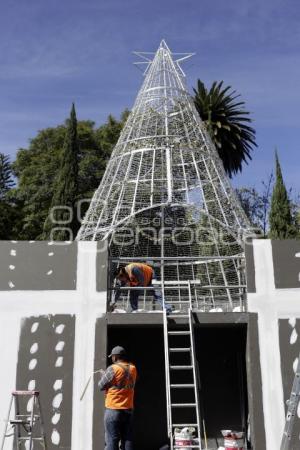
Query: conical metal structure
x=165, y=193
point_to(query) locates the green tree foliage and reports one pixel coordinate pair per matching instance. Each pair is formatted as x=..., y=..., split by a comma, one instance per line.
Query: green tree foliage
x=297, y=220
x=282, y=225
x=6, y=175
x=38, y=166
x=109, y=133
x=10, y=219
x=256, y=204
x=65, y=192
x=10, y=213
x=295, y=209
x=227, y=122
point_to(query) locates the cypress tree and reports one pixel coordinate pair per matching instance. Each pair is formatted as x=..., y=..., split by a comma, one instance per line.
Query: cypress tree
x=66, y=188
x=6, y=176
x=10, y=216
x=280, y=217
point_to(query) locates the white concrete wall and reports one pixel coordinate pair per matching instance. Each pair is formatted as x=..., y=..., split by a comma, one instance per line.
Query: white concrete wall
x=271, y=305
x=86, y=304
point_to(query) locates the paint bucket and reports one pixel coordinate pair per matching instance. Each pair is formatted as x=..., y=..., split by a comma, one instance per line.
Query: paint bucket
x=196, y=442
x=233, y=440
x=233, y=444
x=184, y=437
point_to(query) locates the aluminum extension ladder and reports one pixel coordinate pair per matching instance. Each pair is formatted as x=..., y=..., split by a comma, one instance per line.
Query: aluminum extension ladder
x=27, y=426
x=292, y=411
x=186, y=346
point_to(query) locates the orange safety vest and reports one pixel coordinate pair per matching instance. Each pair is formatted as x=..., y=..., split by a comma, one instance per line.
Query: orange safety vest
x=121, y=392
x=147, y=272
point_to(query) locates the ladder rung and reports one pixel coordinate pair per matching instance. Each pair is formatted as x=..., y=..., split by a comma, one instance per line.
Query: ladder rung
x=28, y=437
x=188, y=446
x=26, y=393
x=173, y=333
x=28, y=416
x=181, y=367
x=19, y=422
x=178, y=350
x=179, y=302
x=181, y=316
x=183, y=405
x=185, y=425
x=182, y=386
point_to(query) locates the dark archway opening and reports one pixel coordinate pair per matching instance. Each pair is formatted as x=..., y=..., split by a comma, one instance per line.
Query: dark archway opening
x=145, y=347
x=221, y=354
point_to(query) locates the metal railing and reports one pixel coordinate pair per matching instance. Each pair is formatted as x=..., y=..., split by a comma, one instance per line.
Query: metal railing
x=205, y=297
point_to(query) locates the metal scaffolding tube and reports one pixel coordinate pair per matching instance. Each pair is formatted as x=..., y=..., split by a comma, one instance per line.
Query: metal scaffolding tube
x=175, y=258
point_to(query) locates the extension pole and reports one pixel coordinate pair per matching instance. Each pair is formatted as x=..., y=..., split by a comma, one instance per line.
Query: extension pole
x=204, y=431
x=88, y=382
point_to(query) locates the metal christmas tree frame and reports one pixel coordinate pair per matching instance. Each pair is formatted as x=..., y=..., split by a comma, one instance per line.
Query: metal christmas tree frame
x=165, y=197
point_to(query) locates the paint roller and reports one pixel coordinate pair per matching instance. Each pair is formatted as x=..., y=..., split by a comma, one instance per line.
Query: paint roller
x=88, y=381
x=205, y=435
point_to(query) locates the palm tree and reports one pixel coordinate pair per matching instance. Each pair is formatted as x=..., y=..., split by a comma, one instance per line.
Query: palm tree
x=227, y=123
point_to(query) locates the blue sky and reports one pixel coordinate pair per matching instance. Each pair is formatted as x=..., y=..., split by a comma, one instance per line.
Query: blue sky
x=53, y=52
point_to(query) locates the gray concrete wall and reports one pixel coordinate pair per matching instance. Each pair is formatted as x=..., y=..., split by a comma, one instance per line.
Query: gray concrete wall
x=289, y=352
x=273, y=269
x=45, y=363
x=51, y=295
x=34, y=266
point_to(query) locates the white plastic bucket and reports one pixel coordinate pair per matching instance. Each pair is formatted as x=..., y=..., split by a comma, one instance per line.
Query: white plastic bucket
x=233, y=440
x=184, y=437
x=233, y=444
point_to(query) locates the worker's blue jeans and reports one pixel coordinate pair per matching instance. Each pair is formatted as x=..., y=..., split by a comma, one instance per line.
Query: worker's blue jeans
x=118, y=428
x=134, y=298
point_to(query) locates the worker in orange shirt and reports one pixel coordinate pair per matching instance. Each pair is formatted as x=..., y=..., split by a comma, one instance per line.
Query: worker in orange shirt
x=118, y=382
x=134, y=275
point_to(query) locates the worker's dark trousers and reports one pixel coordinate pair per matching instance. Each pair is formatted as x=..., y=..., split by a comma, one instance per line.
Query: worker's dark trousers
x=134, y=299
x=118, y=428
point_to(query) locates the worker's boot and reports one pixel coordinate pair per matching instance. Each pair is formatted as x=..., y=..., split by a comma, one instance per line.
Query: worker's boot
x=112, y=306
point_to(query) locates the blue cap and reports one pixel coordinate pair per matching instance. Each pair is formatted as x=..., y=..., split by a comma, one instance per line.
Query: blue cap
x=117, y=351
